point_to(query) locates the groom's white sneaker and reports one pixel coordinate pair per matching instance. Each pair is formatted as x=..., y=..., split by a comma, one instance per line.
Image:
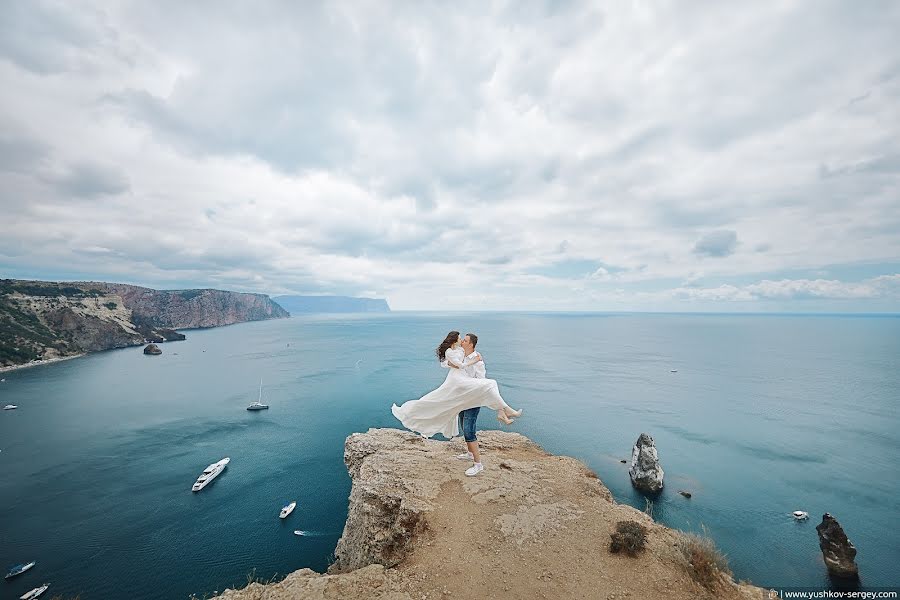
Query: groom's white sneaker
x=474, y=469
x=465, y=456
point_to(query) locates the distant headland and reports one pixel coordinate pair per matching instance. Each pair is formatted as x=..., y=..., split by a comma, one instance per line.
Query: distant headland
x=331, y=304
x=43, y=321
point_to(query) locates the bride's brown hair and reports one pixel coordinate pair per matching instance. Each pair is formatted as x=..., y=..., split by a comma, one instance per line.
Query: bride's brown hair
x=451, y=339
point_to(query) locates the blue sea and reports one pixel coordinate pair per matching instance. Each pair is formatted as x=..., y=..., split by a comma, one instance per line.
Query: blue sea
x=765, y=415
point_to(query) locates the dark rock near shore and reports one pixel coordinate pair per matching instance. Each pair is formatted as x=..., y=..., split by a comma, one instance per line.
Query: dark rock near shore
x=646, y=473
x=152, y=349
x=838, y=552
x=685, y=493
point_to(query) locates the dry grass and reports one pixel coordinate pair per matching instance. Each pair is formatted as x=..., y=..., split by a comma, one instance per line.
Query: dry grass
x=630, y=537
x=251, y=579
x=705, y=563
x=648, y=508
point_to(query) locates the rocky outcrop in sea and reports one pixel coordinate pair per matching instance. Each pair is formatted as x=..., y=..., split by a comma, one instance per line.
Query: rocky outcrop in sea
x=838, y=552
x=646, y=473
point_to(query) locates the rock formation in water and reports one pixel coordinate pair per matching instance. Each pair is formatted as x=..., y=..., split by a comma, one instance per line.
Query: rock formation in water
x=838, y=552
x=646, y=473
x=42, y=320
x=152, y=349
x=532, y=525
x=332, y=304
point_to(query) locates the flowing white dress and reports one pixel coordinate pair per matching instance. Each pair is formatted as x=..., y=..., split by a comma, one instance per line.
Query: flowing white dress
x=437, y=411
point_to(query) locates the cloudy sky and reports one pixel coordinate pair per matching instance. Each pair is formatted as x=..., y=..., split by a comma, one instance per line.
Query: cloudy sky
x=733, y=156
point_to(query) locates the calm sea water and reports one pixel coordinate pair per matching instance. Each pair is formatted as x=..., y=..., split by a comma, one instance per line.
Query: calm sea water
x=766, y=414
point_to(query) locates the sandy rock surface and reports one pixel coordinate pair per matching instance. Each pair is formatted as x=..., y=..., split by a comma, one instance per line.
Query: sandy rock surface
x=532, y=525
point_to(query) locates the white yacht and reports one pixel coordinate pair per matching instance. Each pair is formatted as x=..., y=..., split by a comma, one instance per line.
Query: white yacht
x=35, y=592
x=258, y=405
x=285, y=511
x=10, y=407
x=210, y=473
x=19, y=569
x=800, y=515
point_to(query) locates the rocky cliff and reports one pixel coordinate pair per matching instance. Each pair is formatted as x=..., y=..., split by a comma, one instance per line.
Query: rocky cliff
x=532, y=525
x=42, y=320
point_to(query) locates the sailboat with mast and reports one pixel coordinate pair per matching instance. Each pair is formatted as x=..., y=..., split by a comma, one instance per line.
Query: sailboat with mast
x=258, y=405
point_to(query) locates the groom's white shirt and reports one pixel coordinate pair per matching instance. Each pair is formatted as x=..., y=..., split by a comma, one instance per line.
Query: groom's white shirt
x=477, y=370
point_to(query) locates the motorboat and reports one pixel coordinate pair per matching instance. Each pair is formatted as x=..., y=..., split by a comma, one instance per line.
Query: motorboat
x=210, y=473
x=258, y=405
x=299, y=532
x=287, y=510
x=800, y=515
x=35, y=592
x=10, y=407
x=19, y=569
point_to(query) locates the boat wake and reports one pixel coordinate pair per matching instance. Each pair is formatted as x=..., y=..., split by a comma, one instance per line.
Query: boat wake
x=304, y=533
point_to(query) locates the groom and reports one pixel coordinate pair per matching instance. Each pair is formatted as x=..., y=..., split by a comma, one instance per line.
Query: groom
x=468, y=417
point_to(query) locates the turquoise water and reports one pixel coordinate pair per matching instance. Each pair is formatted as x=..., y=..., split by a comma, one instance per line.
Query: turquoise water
x=766, y=414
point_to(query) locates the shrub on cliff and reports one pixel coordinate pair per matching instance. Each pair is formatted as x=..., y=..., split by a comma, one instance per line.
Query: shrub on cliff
x=705, y=563
x=629, y=537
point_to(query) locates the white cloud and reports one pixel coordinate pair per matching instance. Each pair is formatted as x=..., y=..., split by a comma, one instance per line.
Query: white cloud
x=408, y=152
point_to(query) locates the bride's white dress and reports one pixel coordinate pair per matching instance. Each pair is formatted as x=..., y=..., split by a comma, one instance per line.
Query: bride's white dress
x=437, y=411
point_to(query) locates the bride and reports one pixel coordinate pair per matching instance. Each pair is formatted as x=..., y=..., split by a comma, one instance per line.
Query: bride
x=437, y=411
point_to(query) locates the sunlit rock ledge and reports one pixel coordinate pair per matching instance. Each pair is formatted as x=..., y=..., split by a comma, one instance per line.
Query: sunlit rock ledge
x=532, y=525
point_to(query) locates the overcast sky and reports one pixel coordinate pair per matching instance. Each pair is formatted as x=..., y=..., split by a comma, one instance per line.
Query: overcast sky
x=733, y=156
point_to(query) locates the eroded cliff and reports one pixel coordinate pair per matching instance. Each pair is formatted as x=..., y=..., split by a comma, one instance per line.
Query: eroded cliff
x=46, y=320
x=532, y=525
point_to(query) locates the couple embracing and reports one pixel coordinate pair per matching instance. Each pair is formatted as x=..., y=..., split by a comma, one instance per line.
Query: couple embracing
x=454, y=406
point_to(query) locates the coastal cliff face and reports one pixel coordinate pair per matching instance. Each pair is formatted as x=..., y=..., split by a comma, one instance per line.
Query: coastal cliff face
x=46, y=320
x=532, y=525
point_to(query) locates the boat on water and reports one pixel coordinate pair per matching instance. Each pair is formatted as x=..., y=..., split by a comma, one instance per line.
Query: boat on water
x=210, y=473
x=299, y=532
x=19, y=569
x=35, y=592
x=10, y=407
x=285, y=511
x=258, y=405
x=800, y=515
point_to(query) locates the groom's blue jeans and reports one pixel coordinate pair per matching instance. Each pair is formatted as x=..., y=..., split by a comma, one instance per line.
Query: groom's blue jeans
x=467, y=420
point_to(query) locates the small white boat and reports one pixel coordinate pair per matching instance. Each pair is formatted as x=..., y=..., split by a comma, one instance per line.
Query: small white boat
x=673, y=370
x=800, y=515
x=210, y=473
x=35, y=592
x=299, y=532
x=258, y=405
x=10, y=407
x=19, y=569
x=287, y=510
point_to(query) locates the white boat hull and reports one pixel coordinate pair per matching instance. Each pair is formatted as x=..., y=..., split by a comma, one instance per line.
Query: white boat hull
x=35, y=592
x=210, y=473
x=287, y=510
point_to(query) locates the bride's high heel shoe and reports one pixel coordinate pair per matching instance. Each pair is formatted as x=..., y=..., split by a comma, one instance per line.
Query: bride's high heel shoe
x=513, y=413
x=501, y=416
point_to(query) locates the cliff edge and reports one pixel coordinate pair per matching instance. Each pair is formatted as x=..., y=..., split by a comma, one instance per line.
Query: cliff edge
x=532, y=525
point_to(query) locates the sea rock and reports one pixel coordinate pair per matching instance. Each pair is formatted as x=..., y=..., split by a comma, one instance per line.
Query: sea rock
x=685, y=493
x=838, y=552
x=646, y=473
x=152, y=349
